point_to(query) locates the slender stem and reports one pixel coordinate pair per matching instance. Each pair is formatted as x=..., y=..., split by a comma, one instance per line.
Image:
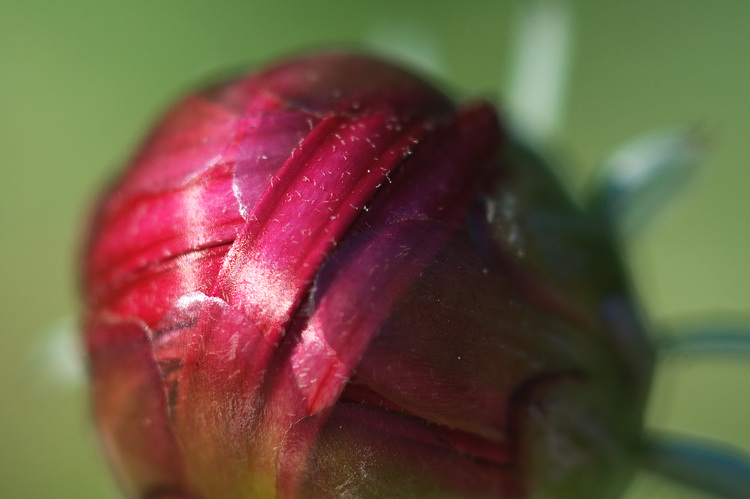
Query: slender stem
x=720, y=471
x=703, y=341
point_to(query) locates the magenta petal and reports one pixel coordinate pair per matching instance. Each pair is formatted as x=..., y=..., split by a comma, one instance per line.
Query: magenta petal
x=150, y=293
x=382, y=454
x=174, y=203
x=438, y=180
x=268, y=140
x=204, y=131
x=308, y=207
x=213, y=361
x=147, y=231
x=191, y=139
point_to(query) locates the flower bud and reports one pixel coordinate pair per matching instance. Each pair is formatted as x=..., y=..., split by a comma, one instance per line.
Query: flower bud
x=325, y=279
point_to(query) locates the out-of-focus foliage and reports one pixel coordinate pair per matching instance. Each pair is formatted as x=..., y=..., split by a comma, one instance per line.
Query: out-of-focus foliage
x=80, y=82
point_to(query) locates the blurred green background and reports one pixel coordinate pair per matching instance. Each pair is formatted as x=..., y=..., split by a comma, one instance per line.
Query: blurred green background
x=81, y=81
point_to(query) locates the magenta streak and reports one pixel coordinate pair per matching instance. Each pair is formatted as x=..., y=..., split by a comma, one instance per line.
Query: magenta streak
x=441, y=179
x=389, y=260
x=308, y=207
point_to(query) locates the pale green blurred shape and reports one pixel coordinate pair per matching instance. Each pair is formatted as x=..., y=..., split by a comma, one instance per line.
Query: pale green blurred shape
x=81, y=81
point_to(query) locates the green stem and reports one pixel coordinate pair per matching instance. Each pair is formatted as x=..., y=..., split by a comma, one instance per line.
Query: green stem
x=716, y=339
x=720, y=471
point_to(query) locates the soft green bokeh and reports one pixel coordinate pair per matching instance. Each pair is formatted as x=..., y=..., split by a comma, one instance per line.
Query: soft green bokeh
x=80, y=82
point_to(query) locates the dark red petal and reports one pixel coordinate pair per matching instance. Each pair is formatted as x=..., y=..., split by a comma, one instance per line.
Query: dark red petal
x=439, y=178
x=529, y=225
x=354, y=450
x=347, y=83
x=461, y=339
x=345, y=314
x=131, y=406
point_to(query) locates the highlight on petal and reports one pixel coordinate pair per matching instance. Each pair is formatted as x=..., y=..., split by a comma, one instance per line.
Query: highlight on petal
x=213, y=360
x=279, y=250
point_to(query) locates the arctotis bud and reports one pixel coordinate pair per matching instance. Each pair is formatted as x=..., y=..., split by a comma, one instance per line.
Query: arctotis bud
x=324, y=279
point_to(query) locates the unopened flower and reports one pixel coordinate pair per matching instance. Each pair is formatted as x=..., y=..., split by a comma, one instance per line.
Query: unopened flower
x=325, y=279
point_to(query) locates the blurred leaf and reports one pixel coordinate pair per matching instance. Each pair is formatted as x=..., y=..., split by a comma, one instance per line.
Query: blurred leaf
x=638, y=179
x=721, y=471
x=56, y=359
x=539, y=70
